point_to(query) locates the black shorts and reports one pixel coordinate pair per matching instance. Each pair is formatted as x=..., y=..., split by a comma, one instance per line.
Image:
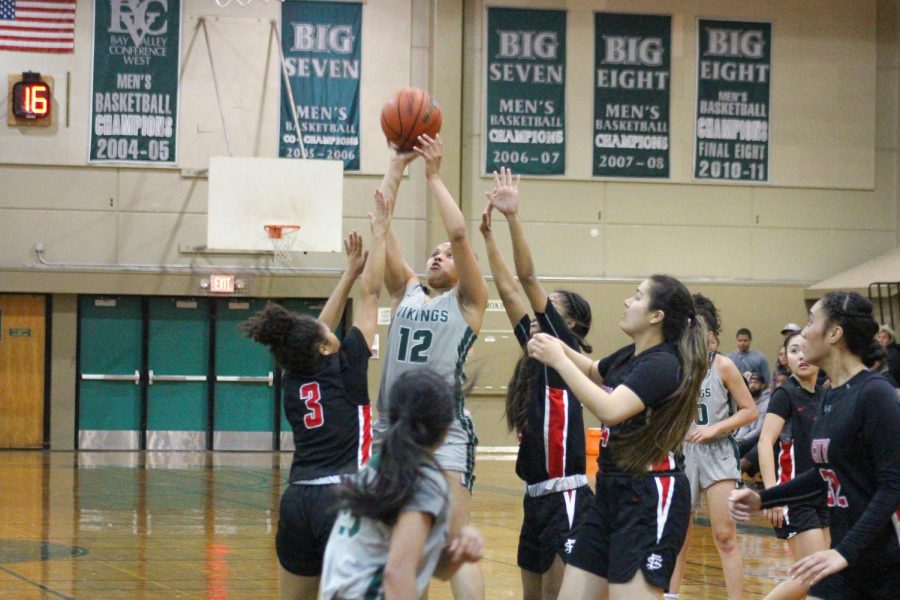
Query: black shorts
x=635, y=523
x=803, y=517
x=869, y=583
x=550, y=526
x=305, y=519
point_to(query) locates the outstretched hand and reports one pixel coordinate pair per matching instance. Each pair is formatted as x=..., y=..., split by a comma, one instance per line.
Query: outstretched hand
x=380, y=221
x=742, y=504
x=356, y=256
x=505, y=195
x=817, y=566
x=546, y=349
x=432, y=150
x=468, y=546
x=485, y=227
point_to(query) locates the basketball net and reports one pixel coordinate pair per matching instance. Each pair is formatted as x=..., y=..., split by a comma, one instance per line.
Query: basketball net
x=282, y=238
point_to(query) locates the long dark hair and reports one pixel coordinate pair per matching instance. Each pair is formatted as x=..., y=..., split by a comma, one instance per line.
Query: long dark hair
x=517, y=390
x=293, y=339
x=853, y=313
x=421, y=410
x=666, y=426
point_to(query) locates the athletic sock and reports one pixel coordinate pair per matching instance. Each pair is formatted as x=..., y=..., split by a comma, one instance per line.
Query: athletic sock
x=670, y=596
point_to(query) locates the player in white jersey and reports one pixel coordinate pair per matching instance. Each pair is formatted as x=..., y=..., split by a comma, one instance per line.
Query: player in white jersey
x=434, y=327
x=711, y=456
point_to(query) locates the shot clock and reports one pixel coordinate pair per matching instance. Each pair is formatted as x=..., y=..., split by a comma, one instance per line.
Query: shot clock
x=30, y=100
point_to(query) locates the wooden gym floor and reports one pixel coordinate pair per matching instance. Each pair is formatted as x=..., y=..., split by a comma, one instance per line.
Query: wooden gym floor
x=109, y=525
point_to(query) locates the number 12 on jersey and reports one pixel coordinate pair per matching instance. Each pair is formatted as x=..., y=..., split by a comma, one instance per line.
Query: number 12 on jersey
x=414, y=345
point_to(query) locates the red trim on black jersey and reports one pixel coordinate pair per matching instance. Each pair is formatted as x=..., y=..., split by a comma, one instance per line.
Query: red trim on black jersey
x=365, y=434
x=786, y=463
x=556, y=414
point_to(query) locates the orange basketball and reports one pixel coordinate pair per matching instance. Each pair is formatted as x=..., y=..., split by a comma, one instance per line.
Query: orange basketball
x=409, y=113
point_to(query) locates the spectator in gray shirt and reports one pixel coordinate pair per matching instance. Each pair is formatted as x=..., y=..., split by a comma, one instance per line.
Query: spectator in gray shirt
x=749, y=362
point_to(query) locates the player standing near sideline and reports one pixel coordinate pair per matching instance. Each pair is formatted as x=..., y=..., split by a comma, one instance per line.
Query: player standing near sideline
x=539, y=405
x=326, y=400
x=391, y=536
x=711, y=455
x=793, y=411
x=856, y=453
x=630, y=538
x=435, y=327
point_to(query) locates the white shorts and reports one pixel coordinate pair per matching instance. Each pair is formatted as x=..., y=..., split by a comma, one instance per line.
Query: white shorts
x=706, y=464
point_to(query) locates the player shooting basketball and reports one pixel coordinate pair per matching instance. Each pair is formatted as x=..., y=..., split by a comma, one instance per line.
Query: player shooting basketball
x=434, y=327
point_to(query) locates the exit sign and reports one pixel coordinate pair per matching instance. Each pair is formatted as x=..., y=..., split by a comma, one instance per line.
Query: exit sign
x=221, y=284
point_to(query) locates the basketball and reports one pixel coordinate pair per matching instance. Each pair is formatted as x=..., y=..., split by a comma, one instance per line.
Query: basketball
x=409, y=113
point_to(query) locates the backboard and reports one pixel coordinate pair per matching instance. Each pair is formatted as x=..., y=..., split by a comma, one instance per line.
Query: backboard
x=246, y=194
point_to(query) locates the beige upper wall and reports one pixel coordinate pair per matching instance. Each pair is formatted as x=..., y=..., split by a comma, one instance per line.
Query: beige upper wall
x=818, y=217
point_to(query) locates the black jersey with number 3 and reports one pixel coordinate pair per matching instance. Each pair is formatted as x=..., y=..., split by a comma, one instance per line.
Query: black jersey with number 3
x=329, y=412
x=552, y=444
x=856, y=451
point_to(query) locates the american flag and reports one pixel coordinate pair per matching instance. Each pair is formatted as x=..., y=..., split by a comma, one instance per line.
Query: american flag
x=37, y=25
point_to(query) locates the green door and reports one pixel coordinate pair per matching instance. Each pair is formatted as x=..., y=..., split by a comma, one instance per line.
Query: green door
x=109, y=363
x=311, y=307
x=244, y=415
x=178, y=372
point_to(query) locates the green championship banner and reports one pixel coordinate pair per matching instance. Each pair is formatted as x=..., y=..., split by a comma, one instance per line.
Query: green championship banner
x=134, y=94
x=322, y=44
x=733, y=74
x=526, y=91
x=632, y=72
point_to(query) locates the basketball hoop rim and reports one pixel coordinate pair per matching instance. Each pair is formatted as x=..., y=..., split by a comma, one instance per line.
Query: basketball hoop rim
x=278, y=231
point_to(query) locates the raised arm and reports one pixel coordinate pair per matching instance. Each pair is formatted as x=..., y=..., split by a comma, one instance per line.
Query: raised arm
x=472, y=289
x=397, y=274
x=366, y=315
x=503, y=276
x=356, y=260
x=506, y=191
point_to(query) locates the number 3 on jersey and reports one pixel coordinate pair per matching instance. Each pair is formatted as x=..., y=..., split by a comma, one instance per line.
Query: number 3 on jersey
x=310, y=395
x=417, y=352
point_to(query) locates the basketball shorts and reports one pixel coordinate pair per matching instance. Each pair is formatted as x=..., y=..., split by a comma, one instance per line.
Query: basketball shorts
x=550, y=527
x=880, y=582
x=634, y=523
x=803, y=517
x=457, y=453
x=305, y=518
x=706, y=464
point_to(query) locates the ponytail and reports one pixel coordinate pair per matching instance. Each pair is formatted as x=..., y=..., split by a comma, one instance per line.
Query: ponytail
x=421, y=410
x=293, y=339
x=666, y=426
x=517, y=394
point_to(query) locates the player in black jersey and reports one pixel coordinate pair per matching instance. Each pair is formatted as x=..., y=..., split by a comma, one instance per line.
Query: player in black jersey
x=787, y=428
x=540, y=406
x=856, y=453
x=631, y=536
x=326, y=401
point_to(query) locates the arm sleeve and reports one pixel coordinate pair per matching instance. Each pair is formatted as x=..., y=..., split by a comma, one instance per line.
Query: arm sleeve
x=552, y=322
x=654, y=378
x=807, y=486
x=879, y=414
x=522, y=329
x=780, y=404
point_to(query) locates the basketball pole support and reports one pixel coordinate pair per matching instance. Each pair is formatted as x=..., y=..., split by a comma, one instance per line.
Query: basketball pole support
x=287, y=86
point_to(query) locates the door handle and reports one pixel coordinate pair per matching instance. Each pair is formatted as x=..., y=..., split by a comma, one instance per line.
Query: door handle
x=151, y=377
x=135, y=378
x=269, y=379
